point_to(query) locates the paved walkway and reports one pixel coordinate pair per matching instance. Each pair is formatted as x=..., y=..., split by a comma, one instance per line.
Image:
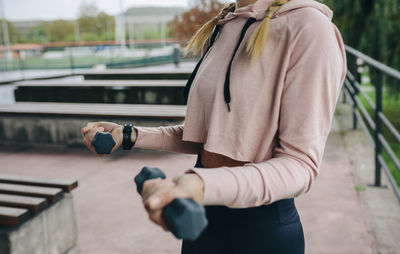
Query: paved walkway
x=111, y=218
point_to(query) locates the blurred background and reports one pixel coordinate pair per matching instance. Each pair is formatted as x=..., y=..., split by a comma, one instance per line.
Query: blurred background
x=95, y=34
x=65, y=63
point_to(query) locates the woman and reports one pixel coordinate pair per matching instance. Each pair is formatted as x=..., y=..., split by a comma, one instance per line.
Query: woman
x=259, y=108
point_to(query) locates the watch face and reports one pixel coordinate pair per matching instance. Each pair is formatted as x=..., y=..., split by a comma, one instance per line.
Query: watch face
x=128, y=127
x=126, y=141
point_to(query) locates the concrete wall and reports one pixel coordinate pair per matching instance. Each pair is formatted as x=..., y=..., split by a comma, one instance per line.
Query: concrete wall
x=63, y=131
x=53, y=231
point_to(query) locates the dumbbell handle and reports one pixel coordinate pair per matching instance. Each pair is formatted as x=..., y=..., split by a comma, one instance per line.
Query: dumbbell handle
x=185, y=218
x=103, y=142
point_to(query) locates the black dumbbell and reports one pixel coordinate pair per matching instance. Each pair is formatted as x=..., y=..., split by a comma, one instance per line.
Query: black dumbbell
x=185, y=218
x=103, y=142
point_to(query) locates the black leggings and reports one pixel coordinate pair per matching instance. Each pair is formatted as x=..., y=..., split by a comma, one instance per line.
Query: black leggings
x=269, y=229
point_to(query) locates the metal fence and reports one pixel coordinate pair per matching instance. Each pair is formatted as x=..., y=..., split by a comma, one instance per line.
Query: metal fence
x=374, y=123
x=87, y=62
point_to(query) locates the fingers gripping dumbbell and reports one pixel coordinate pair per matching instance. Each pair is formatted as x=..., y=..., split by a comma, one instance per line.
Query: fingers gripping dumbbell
x=185, y=218
x=103, y=142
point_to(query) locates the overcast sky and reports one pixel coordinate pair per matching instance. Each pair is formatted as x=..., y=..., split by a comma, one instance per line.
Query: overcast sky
x=17, y=10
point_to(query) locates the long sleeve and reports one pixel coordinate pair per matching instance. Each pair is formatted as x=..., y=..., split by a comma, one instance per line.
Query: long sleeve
x=314, y=77
x=165, y=138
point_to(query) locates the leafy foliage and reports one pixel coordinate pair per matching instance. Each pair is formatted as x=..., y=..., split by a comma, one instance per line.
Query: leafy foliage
x=372, y=27
x=184, y=26
x=92, y=25
x=12, y=32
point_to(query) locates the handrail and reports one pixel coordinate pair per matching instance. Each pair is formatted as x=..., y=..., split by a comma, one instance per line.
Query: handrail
x=378, y=65
x=353, y=91
x=357, y=85
x=390, y=126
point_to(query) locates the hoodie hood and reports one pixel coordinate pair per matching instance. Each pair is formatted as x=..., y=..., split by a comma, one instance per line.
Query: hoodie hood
x=258, y=9
x=252, y=13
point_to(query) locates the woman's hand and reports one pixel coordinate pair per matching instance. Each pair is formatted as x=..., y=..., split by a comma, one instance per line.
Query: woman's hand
x=158, y=193
x=90, y=130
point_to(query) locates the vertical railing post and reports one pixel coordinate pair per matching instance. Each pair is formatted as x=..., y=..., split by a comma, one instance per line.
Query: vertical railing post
x=378, y=124
x=21, y=65
x=344, y=95
x=356, y=79
x=71, y=61
x=343, y=90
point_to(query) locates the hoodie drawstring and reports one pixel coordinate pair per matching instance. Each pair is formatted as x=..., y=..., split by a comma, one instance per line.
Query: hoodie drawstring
x=217, y=29
x=227, y=94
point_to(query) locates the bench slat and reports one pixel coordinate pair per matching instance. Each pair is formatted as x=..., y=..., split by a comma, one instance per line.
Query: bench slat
x=33, y=204
x=82, y=109
x=66, y=185
x=51, y=194
x=140, y=75
x=56, y=83
x=12, y=216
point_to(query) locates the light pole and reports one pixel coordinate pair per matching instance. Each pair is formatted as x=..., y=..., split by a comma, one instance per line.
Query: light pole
x=163, y=34
x=122, y=28
x=6, y=37
x=131, y=35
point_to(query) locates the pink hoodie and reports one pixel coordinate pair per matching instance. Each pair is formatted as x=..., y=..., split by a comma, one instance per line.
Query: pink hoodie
x=281, y=106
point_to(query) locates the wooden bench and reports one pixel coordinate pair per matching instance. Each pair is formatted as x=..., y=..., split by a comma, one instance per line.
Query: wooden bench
x=100, y=83
x=22, y=196
x=138, y=75
x=101, y=110
x=101, y=91
x=36, y=215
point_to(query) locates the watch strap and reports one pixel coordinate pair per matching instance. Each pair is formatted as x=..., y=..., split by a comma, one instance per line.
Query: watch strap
x=127, y=143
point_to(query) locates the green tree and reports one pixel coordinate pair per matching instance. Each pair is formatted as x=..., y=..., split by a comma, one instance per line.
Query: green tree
x=89, y=37
x=87, y=18
x=12, y=32
x=60, y=30
x=93, y=24
x=106, y=23
x=38, y=34
x=372, y=27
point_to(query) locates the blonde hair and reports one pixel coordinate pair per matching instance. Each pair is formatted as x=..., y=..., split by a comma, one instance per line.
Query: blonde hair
x=256, y=41
x=196, y=42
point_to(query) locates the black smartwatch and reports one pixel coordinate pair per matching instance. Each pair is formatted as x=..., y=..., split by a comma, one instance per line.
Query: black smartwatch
x=127, y=134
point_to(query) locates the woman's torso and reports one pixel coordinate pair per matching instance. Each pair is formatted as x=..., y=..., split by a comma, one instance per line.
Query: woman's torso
x=255, y=89
x=214, y=160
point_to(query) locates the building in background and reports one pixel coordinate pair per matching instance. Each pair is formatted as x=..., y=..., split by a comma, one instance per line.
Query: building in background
x=145, y=22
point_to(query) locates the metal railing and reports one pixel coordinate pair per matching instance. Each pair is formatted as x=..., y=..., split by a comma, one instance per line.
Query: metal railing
x=71, y=62
x=372, y=125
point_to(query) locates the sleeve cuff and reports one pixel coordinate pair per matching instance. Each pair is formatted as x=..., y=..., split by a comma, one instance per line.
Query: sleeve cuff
x=149, y=138
x=220, y=185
